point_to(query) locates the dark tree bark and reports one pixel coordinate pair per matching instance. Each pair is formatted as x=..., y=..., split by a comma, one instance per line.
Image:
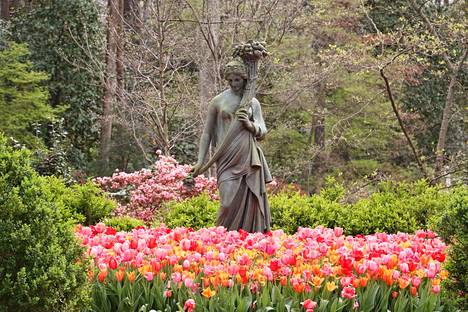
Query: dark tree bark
x=109, y=88
x=319, y=131
x=5, y=8
x=119, y=23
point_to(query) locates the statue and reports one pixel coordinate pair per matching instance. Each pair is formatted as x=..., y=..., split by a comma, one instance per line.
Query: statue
x=233, y=125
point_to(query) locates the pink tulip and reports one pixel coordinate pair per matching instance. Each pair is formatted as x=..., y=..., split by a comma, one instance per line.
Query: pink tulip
x=189, y=305
x=149, y=276
x=348, y=292
x=338, y=231
x=309, y=305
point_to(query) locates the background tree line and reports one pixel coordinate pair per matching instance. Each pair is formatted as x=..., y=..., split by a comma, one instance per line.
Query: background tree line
x=353, y=88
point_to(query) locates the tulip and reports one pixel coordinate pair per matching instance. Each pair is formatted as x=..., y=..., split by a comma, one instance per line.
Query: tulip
x=309, y=305
x=102, y=275
x=113, y=263
x=348, y=292
x=189, y=305
x=119, y=275
x=208, y=293
x=338, y=231
x=131, y=276
x=149, y=276
x=416, y=281
x=331, y=286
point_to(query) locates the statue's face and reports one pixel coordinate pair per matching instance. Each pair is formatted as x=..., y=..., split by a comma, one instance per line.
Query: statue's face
x=236, y=82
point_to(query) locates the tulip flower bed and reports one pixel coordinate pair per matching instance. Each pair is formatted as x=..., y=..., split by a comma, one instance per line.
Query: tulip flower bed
x=215, y=270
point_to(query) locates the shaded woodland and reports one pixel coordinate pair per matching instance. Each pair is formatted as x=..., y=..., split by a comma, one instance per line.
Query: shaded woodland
x=360, y=90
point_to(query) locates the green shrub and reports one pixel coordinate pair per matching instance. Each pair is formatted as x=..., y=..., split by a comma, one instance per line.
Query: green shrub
x=196, y=212
x=452, y=226
x=394, y=207
x=90, y=201
x=290, y=210
x=41, y=268
x=87, y=201
x=123, y=223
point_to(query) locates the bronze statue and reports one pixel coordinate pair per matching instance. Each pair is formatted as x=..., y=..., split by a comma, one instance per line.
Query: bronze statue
x=233, y=125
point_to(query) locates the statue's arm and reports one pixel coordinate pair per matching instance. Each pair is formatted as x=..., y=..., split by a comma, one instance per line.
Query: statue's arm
x=258, y=121
x=208, y=130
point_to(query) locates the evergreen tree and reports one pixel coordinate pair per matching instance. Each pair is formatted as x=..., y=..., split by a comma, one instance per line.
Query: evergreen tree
x=23, y=99
x=66, y=41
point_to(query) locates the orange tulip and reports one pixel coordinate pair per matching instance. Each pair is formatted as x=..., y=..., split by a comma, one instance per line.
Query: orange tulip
x=119, y=275
x=393, y=262
x=208, y=293
x=131, y=276
x=102, y=275
x=90, y=274
x=283, y=280
x=317, y=281
x=403, y=283
x=363, y=281
x=298, y=287
x=443, y=274
x=356, y=282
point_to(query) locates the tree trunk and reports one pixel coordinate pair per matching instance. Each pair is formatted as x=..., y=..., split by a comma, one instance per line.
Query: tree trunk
x=131, y=11
x=119, y=37
x=447, y=114
x=318, y=120
x=319, y=131
x=5, y=8
x=208, y=76
x=109, y=89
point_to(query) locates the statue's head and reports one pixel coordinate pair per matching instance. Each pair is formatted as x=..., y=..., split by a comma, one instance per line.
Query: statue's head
x=236, y=67
x=235, y=72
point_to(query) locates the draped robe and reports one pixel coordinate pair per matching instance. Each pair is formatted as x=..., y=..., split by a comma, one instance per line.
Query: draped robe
x=242, y=171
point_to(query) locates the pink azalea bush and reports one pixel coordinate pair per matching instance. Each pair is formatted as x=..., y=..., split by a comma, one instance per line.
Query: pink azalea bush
x=314, y=269
x=142, y=192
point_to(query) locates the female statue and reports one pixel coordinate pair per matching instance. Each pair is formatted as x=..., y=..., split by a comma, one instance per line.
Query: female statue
x=242, y=171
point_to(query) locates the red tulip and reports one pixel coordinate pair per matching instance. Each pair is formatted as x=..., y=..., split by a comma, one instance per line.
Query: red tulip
x=113, y=263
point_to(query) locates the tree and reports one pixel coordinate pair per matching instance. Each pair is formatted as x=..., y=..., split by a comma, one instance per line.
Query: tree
x=65, y=41
x=427, y=71
x=23, y=99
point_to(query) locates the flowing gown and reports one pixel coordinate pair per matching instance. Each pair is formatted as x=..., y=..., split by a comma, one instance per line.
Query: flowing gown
x=242, y=171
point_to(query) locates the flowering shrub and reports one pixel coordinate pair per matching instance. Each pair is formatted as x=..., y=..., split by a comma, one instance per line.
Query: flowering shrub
x=141, y=193
x=215, y=270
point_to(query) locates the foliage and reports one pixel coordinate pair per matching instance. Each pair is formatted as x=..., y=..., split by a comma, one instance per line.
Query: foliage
x=452, y=226
x=53, y=159
x=217, y=270
x=41, y=265
x=141, y=193
x=66, y=41
x=23, y=99
x=196, y=212
x=394, y=207
x=123, y=223
x=90, y=201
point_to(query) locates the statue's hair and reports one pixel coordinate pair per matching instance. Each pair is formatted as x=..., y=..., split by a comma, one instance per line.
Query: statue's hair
x=236, y=66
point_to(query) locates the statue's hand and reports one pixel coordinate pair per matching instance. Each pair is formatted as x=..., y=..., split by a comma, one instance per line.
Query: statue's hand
x=243, y=117
x=196, y=169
